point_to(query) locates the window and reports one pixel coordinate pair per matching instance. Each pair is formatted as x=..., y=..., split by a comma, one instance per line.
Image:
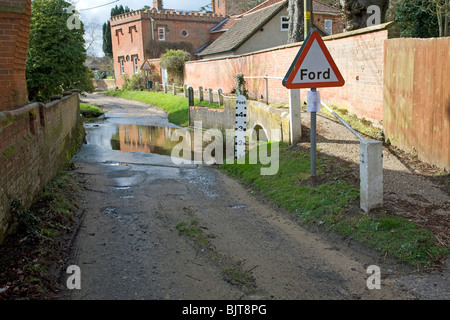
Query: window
x=122, y=68
x=329, y=26
x=218, y=3
x=161, y=34
x=136, y=67
x=284, y=23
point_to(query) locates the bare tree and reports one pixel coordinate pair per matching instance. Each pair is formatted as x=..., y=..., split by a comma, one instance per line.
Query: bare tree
x=296, y=22
x=440, y=9
x=92, y=37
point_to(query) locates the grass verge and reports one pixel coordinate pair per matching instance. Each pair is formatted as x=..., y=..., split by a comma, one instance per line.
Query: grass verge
x=31, y=259
x=90, y=111
x=331, y=201
x=362, y=125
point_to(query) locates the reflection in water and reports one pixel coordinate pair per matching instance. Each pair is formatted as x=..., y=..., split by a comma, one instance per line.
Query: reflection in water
x=133, y=138
x=148, y=139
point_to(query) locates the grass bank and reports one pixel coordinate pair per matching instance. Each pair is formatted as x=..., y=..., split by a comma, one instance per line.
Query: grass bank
x=331, y=202
x=90, y=111
x=32, y=258
x=176, y=106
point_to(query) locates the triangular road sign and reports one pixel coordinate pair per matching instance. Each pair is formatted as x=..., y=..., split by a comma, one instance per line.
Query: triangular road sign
x=313, y=67
x=146, y=66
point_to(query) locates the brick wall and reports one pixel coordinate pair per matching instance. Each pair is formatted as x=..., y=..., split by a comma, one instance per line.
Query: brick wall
x=36, y=141
x=14, y=29
x=359, y=56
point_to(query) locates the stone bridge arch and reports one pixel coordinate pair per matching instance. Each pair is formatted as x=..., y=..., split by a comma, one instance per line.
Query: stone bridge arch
x=267, y=123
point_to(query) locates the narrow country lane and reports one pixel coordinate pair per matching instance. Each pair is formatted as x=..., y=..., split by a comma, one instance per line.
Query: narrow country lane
x=134, y=203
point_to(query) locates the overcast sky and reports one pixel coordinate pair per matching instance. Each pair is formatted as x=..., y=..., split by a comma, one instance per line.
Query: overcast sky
x=97, y=12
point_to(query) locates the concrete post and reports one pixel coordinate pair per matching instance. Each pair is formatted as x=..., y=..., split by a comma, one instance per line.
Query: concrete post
x=295, y=116
x=220, y=92
x=200, y=93
x=174, y=90
x=371, y=174
x=210, y=96
x=185, y=91
x=157, y=86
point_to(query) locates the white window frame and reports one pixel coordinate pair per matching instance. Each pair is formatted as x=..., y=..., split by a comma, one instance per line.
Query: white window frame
x=136, y=67
x=325, y=26
x=284, y=22
x=122, y=66
x=162, y=34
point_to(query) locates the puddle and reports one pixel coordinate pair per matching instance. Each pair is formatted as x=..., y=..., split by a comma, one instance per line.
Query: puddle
x=147, y=139
x=121, y=188
x=109, y=210
x=132, y=138
x=239, y=206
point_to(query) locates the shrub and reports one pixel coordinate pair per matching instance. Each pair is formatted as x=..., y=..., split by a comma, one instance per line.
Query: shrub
x=173, y=61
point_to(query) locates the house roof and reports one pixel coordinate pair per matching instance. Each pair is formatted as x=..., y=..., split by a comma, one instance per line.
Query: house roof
x=241, y=27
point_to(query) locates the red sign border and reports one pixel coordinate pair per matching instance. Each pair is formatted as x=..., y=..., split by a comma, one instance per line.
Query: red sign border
x=315, y=35
x=149, y=63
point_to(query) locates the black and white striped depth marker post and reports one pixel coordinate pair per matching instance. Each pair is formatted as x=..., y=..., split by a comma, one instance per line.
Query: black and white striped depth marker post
x=240, y=127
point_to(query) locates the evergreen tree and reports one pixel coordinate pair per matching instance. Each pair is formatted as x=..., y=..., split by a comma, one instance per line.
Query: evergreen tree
x=56, y=54
x=107, y=40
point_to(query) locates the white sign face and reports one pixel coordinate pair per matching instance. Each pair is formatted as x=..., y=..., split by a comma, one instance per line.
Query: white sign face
x=146, y=66
x=240, y=127
x=315, y=68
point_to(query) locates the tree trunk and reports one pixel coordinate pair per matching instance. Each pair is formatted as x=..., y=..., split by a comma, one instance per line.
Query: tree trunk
x=296, y=23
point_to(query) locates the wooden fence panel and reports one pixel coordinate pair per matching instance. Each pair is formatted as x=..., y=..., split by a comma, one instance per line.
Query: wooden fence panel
x=417, y=97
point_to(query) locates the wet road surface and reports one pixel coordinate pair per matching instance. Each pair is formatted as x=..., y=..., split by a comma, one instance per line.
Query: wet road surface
x=133, y=200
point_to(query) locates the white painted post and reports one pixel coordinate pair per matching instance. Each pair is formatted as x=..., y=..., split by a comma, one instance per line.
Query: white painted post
x=266, y=83
x=371, y=174
x=295, y=115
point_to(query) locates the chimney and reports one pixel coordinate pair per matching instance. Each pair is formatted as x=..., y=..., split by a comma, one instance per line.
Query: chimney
x=157, y=4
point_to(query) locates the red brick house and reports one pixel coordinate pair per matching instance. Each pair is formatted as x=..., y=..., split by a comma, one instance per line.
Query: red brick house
x=144, y=34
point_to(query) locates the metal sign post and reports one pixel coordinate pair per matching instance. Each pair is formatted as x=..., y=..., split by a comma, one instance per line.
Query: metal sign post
x=313, y=67
x=313, y=106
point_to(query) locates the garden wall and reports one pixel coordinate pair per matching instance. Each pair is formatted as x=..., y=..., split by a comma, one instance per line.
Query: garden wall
x=36, y=141
x=359, y=56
